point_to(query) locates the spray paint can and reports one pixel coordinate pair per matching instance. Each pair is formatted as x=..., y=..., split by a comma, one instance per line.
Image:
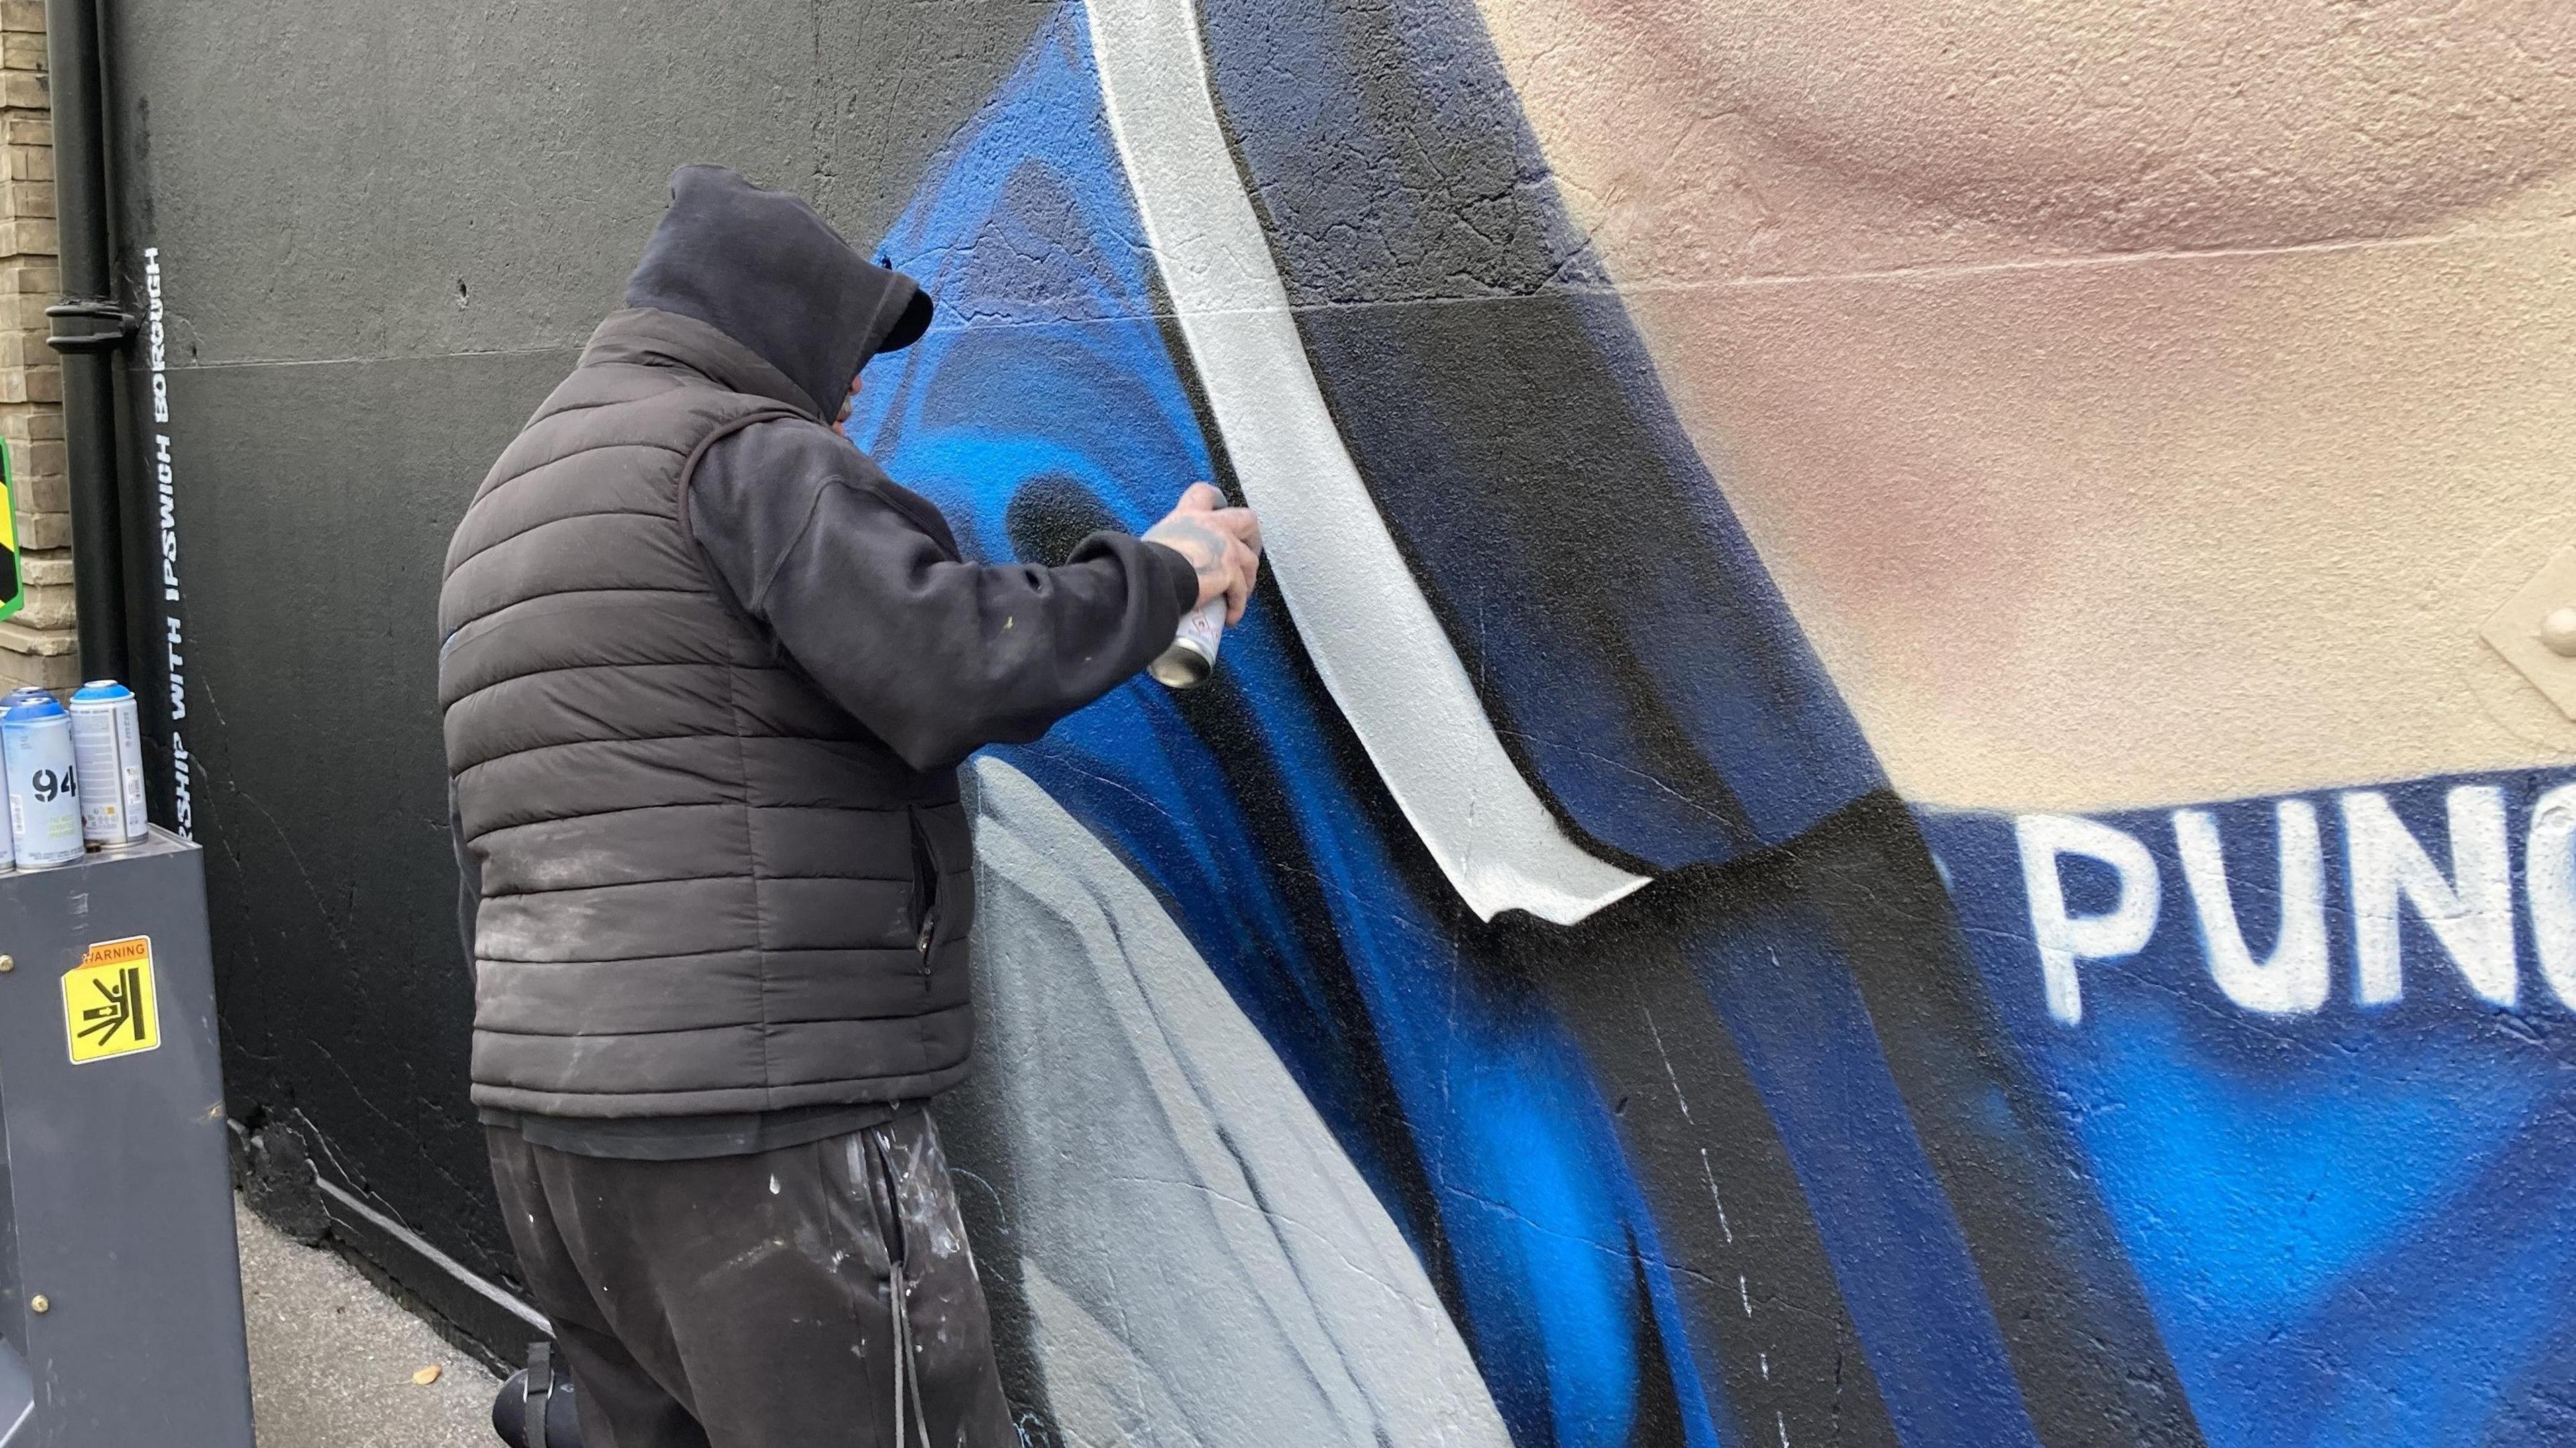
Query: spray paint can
x=1192, y=656
x=8, y=852
x=107, y=750
x=44, y=793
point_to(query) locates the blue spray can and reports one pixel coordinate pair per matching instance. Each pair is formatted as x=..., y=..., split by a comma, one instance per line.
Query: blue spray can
x=8, y=852
x=44, y=792
x=107, y=753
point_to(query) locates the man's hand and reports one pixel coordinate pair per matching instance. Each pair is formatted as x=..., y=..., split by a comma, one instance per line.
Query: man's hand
x=1222, y=543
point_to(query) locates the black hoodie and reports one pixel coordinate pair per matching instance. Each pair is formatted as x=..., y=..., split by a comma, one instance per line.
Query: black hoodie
x=762, y=268
x=858, y=581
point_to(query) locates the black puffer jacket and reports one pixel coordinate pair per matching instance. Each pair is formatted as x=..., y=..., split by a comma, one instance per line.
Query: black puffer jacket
x=707, y=674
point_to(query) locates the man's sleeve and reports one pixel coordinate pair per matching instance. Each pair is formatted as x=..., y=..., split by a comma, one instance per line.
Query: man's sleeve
x=936, y=657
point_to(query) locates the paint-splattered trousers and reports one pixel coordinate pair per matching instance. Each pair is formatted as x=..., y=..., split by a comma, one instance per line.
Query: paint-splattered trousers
x=751, y=1301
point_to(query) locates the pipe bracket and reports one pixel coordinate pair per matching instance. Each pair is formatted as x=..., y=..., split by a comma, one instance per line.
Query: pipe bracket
x=122, y=325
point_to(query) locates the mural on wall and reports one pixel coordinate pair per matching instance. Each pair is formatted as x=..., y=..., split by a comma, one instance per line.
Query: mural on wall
x=1851, y=819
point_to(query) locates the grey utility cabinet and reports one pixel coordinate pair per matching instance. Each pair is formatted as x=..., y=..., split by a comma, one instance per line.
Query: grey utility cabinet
x=120, y=1290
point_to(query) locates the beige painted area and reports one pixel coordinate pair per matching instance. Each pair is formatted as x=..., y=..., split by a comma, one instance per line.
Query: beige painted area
x=2138, y=402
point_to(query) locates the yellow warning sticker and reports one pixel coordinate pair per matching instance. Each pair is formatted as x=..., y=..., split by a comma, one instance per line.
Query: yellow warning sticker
x=109, y=1008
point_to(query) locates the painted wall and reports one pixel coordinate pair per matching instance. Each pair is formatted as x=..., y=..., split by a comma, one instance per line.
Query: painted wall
x=1938, y=563
x=1866, y=805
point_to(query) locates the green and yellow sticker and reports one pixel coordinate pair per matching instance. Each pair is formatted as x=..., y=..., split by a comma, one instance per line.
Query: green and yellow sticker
x=13, y=586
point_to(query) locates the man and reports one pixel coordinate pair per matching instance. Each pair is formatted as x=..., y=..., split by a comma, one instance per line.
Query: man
x=707, y=674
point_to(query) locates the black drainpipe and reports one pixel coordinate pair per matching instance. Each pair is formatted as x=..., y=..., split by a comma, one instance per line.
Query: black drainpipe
x=89, y=330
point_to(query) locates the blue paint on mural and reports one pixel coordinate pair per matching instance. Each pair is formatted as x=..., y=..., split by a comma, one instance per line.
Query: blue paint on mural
x=2349, y=1220
x=1030, y=234
x=2353, y=1217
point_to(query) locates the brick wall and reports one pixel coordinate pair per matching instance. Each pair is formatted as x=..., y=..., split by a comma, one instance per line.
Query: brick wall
x=37, y=646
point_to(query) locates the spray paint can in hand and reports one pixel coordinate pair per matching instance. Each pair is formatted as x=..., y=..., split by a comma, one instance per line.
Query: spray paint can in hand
x=1192, y=656
x=107, y=750
x=44, y=793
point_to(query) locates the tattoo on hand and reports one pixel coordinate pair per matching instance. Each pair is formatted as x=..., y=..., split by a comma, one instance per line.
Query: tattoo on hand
x=1206, y=551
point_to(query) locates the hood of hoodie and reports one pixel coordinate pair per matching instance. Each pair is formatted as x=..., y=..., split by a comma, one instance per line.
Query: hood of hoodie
x=764, y=269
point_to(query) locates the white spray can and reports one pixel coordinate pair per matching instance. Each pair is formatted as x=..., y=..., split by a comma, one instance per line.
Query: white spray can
x=107, y=749
x=1192, y=656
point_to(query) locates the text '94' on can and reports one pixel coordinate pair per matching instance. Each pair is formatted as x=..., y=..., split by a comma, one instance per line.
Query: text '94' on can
x=44, y=789
x=107, y=752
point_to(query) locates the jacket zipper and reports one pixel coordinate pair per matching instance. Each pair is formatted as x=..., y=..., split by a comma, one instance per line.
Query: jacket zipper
x=925, y=870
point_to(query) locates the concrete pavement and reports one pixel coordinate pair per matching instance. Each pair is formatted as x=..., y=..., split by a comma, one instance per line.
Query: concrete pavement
x=332, y=1359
